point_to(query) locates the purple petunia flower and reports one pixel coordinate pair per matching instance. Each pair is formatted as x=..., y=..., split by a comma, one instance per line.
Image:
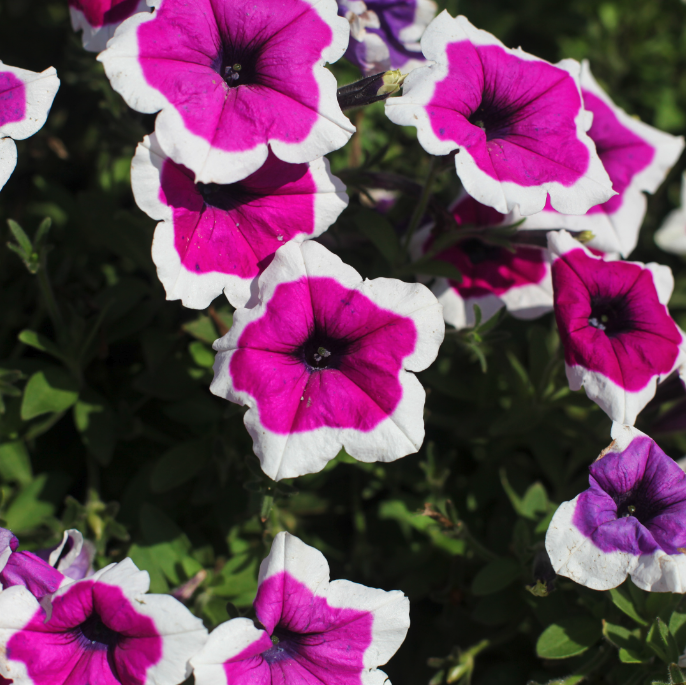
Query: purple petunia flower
x=517, y=123
x=25, y=100
x=630, y=521
x=98, y=19
x=29, y=570
x=492, y=276
x=313, y=631
x=636, y=156
x=232, y=78
x=218, y=238
x=671, y=236
x=73, y=556
x=324, y=360
x=103, y=629
x=384, y=34
x=618, y=336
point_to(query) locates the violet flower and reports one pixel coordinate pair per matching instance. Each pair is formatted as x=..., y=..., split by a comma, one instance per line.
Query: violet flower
x=325, y=360
x=231, y=79
x=516, y=123
x=25, y=100
x=637, y=158
x=309, y=631
x=619, y=339
x=27, y=569
x=630, y=521
x=103, y=629
x=384, y=34
x=219, y=238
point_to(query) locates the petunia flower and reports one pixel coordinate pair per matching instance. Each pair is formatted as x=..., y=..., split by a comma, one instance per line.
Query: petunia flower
x=213, y=238
x=492, y=276
x=25, y=100
x=636, y=156
x=73, y=556
x=630, y=521
x=231, y=79
x=324, y=360
x=103, y=629
x=671, y=236
x=516, y=123
x=619, y=339
x=98, y=19
x=311, y=631
x=27, y=569
x=384, y=34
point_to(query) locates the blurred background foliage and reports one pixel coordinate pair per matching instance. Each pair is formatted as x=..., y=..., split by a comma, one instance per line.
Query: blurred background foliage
x=107, y=424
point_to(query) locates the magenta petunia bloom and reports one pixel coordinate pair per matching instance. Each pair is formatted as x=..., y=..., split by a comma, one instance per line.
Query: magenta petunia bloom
x=324, y=360
x=492, y=276
x=630, y=521
x=516, y=123
x=618, y=336
x=25, y=100
x=232, y=79
x=103, y=629
x=636, y=156
x=98, y=19
x=219, y=238
x=671, y=236
x=384, y=34
x=312, y=631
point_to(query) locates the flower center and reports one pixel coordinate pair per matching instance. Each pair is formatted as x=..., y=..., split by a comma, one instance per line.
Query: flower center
x=284, y=645
x=478, y=251
x=225, y=197
x=321, y=351
x=637, y=504
x=97, y=634
x=237, y=65
x=493, y=117
x=610, y=315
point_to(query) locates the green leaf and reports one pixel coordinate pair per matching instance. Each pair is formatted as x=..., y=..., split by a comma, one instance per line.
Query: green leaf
x=202, y=329
x=568, y=637
x=165, y=550
x=40, y=342
x=631, y=649
x=15, y=464
x=378, y=230
x=496, y=576
x=662, y=642
x=95, y=420
x=27, y=511
x=49, y=390
x=179, y=465
x=622, y=599
x=535, y=501
x=20, y=236
x=202, y=355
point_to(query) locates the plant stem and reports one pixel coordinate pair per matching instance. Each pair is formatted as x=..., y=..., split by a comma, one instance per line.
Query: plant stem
x=421, y=205
x=50, y=302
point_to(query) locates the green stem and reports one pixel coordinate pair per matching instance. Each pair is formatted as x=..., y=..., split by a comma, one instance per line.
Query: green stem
x=49, y=299
x=421, y=205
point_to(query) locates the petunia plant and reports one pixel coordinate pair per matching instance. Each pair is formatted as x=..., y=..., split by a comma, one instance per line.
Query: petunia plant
x=247, y=346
